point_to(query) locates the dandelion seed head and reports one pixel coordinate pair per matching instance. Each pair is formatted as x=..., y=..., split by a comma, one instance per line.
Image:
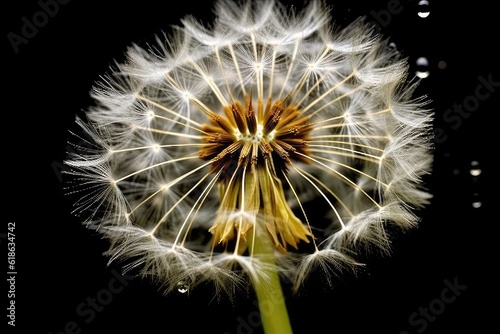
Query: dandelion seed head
x=269, y=124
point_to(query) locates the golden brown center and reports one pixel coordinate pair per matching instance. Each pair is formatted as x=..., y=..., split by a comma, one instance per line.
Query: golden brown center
x=250, y=151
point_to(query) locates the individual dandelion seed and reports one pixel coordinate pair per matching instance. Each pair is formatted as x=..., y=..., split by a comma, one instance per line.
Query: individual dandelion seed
x=271, y=143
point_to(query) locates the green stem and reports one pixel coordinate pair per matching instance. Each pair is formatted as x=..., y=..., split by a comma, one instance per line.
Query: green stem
x=272, y=306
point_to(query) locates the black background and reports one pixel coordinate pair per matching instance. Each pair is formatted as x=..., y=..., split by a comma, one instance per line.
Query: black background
x=59, y=262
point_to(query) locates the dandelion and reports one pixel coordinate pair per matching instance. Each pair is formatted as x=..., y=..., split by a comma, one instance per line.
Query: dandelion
x=270, y=144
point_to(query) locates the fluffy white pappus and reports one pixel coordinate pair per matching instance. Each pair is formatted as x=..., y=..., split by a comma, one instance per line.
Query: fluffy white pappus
x=329, y=265
x=368, y=231
x=271, y=128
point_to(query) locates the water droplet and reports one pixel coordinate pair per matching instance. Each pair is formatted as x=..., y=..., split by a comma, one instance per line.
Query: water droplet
x=423, y=9
x=422, y=70
x=475, y=170
x=422, y=61
x=182, y=287
x=442, y=64
x=421, y=74
x=476, y=201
